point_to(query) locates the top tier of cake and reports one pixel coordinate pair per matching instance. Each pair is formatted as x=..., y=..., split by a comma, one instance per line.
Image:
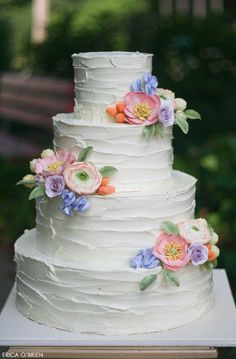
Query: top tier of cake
x=103, y=78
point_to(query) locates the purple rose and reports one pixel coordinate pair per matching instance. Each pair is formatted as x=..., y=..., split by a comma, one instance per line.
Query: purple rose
x=144, y=259
x=150, y=84
x=166, y=114
x=198, y=253
x=54, y=185
x=68, y=197
x=81, y=204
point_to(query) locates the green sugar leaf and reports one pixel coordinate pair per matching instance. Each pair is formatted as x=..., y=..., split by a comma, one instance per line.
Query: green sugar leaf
x=107, y=171
x=37, y=192
x=149, y=131
x=25, y=182
x=194, y=115
x=147, y=281
x=84, y=153
x=169, y=227
x=159, y=129
x=171, y=278
x=182, y=123
x=208, y=266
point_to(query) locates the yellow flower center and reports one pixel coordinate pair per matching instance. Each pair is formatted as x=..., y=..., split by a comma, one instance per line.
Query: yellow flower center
x=54, y=166
x=142, y=111
x=173, y=251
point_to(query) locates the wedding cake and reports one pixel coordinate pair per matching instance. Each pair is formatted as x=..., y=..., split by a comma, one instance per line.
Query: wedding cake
x=116, y=249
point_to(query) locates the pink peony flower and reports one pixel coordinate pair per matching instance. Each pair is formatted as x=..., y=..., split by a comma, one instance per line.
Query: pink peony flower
x=141, y=108
x=172, y=250
x=53, y=165
x=195, y=231
x=82, y=177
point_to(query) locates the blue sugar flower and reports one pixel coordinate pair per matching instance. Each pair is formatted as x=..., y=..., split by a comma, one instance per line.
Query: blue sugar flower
x=144, y=259
x=137, y=86
x=67, y=210
x=151, y=84
x=68, y=197
x=81, y=204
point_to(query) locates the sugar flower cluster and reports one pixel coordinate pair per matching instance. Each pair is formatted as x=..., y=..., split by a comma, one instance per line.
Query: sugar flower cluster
x=153, y=107
x=178, y=245
x=60, y=174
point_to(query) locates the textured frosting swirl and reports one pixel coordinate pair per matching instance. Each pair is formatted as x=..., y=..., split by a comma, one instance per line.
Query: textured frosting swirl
x=141, y=164
x=93, y=300
x=102, y=78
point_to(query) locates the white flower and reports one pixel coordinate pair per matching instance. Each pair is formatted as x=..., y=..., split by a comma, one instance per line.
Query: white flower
x=32, y=165
x=29, y=178
x=214, y=238
x=47, y=153
x=215, y=250
x=180, y=104
x=195, y=231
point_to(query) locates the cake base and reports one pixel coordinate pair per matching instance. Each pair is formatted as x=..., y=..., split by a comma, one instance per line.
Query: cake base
x=84, y=300
x=216, y=328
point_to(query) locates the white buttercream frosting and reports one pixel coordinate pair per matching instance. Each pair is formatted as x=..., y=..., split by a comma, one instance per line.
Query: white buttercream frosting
x=115, y=227
x=74, y=273
x=103, y=78
x=141, y=164
x=95, y=300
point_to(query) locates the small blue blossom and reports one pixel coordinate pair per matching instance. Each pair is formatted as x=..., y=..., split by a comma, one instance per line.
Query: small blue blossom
x=81, y=204
x=137, y=86
x=147, y=84
x=68, y=197
x=144, y=259
x=67, y=210
x=151, y=84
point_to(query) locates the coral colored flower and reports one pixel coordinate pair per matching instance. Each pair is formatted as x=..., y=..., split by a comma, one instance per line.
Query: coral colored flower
x=106, y=190
x=53, y=165
x=82, y=177
x=195, y=231
x=141, y=108
x=213, y=251
x=172, y=250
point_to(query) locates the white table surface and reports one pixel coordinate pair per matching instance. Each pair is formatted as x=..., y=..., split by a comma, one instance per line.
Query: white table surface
x=217, y=328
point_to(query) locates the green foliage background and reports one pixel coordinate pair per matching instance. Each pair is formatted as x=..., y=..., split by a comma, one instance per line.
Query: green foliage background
x=195, y=57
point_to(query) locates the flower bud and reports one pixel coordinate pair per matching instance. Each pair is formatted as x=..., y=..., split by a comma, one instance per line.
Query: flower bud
x=214, y=238
x=180, y=104
x=47, y=153
x=29, y=178
x=32, y=165
x=215, y=250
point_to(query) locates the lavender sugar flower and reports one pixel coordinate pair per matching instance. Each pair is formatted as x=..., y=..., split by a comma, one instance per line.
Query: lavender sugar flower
x=148, y=84
x=151, y=84
x=70, y=203
x=81, y=204
x=166, y=114
x=54, y=185
x=198, y=253
x=144, y=259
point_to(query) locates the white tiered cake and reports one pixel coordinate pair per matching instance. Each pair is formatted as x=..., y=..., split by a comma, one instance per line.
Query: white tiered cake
x=74, y=272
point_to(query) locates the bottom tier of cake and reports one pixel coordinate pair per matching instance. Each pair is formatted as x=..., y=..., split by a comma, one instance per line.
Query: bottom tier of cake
x=75, y=298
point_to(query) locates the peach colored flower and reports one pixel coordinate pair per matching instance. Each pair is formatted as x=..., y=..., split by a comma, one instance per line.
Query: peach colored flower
x=53, y=165
x=172, y=250
x=82, y=177
x=141, y=108
x=195, y=231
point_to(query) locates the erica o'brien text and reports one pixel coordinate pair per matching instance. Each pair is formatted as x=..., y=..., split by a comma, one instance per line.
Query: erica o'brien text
x=10, y=354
